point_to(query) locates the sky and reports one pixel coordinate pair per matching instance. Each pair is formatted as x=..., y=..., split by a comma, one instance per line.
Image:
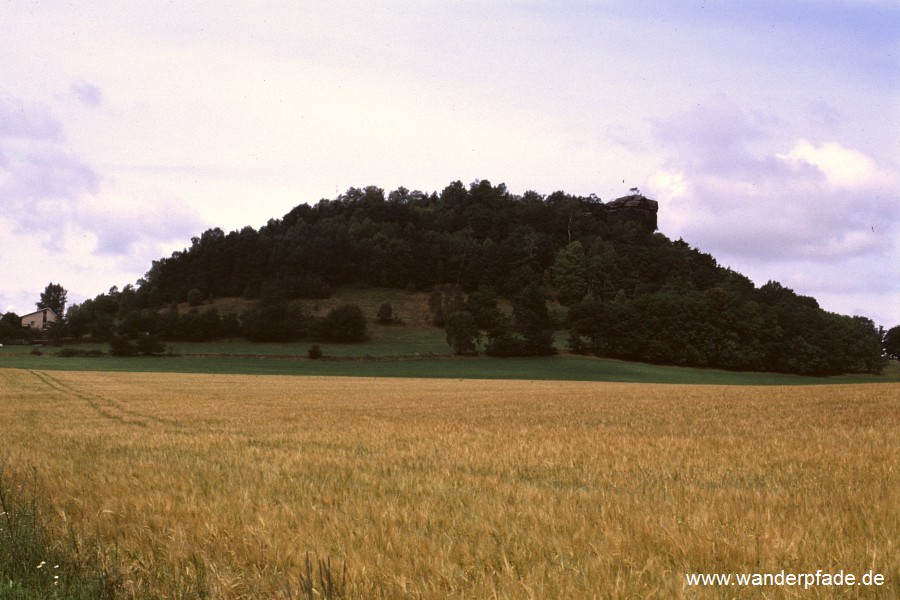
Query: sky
x=769, y=131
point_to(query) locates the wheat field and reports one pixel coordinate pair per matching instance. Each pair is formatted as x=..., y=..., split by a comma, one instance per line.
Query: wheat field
x=222, y=486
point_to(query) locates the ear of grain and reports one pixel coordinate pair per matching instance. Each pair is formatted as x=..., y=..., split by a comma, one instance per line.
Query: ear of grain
x=229, y=485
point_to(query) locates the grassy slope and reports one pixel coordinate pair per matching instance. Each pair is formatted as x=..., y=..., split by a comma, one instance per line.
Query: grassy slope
x=413, y=348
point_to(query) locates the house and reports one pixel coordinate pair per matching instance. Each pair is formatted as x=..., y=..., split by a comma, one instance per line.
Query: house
x=40, y=319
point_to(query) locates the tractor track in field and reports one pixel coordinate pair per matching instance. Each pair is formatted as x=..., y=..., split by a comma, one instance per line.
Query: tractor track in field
x=105, y=407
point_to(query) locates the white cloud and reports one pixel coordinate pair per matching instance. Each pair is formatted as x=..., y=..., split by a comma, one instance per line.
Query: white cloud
x=144, y=227
x=27, y=120
x=87, y=94
x=842, y=167
x=822, y=216
x=63, y=221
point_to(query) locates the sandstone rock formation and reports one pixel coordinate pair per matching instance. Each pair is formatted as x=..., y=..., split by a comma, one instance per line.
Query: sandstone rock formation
x=637, y=208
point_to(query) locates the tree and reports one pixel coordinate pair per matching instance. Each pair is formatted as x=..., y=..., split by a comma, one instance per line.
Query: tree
x=482, y=304
x=195, y=297
x=891, y=343
x=533, y=322
x=462, y=332
x=273, y=323
x=385, y=313
x=54, y=298
x=532, y=331
x=346, y=323
x=568, y=272
x=149, y=345
x=444, y=300
x=11, y=326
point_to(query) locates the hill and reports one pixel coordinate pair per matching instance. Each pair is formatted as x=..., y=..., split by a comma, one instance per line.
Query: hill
x=623, y=289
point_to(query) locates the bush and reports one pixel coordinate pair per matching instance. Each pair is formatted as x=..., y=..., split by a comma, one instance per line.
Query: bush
x=146, y=345
x=386, y=313
x=149, y=345
x=76, y=353
x=462, y=332
x=314, y=352
x=346, y=323
x=195, y=297
x=274, y=323
x=506, y=345
x=122, y=346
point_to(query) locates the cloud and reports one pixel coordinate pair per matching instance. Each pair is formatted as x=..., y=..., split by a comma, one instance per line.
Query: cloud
x=88, y=94
x=50, y=193
x=734, y=189
x=28, y=121
x=139, y=227
x=842, y=167
x=41, y=182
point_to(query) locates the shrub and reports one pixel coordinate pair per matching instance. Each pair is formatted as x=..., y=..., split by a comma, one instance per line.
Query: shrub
x=74, y=352
x=274, y=323
x=122, y=346
x=314, y=352
x=149, y=345
x=462, y=332
x=386, y=313
x=195, y=297
x=346, y=323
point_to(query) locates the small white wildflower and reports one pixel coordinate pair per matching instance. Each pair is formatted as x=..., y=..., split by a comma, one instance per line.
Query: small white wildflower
x=42, y=564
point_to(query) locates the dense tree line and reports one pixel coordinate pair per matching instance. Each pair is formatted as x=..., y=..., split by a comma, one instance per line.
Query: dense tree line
x=480, y=235
x=117, y=316
x=623, y=289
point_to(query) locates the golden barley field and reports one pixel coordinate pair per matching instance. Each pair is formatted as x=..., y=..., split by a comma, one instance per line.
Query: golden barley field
x=223, y=485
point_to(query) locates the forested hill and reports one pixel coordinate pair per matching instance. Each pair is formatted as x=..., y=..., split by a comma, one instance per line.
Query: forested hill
x=475, y=236
x=630, y=292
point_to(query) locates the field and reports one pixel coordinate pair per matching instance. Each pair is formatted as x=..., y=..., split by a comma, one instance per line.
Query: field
x=403, y=352
x=222, y=485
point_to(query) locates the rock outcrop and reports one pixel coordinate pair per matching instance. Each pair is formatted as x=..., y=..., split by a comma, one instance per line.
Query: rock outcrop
x=636, y=208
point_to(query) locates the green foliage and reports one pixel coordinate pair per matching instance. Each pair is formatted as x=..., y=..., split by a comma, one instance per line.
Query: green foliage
x=569, y=273
x=38, y=560
x=79, y=353
x=530, y=333
x=314, y=352
x=632, y=293
x=345, y=323
x=462, y=332
x=771, y=329
x=149, y=345
x=287, y=322
x=482, y=305
x=444, y=300
x=11, y=329
x=195, y=297
x=386, y=313
x=891, y=344
x=54, y=298
x=144, y=345
x=273, y=323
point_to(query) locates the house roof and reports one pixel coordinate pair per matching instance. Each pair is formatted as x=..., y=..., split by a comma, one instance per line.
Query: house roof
x=37, y=312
